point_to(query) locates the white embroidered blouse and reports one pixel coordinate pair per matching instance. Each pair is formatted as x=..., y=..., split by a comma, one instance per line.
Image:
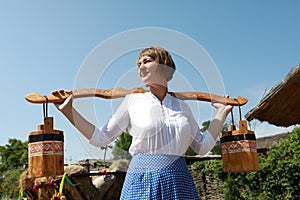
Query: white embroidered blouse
x=156, y=127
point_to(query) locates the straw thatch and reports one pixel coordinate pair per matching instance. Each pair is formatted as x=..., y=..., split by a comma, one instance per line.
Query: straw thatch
x=264, y=144
x=280, y=106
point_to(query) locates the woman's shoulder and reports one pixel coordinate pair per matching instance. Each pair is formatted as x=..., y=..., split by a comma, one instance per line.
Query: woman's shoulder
x=136, y=96
x=179, y=102
x=139, y=94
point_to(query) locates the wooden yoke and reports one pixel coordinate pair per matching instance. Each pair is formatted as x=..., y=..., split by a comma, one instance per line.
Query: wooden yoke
x=121, y=92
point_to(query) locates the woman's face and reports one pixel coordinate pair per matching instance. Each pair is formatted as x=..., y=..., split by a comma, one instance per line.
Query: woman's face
x=149, y=72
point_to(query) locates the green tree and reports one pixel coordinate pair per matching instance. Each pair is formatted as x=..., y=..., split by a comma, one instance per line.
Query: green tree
x=13, y=160
x=217, y=150
x=122, y=144
x=10, y=184
x=190, y=152
x=13, y=155
x=205, y=126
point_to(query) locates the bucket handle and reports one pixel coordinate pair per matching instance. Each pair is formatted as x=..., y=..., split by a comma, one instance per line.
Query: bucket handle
x=240, y=114
x=45, y=107
x=239, y=106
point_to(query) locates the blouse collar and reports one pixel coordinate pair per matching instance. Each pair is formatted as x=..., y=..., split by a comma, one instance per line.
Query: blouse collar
x=166, y=100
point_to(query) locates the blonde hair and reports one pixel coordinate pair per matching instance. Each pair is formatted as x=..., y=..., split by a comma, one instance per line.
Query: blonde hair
x=161, y=56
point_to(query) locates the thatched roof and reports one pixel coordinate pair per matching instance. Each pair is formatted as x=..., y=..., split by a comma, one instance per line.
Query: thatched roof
x=281, y=106
x=270, y=141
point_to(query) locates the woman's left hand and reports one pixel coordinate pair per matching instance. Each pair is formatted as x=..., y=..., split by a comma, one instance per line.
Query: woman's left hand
x=221, y=106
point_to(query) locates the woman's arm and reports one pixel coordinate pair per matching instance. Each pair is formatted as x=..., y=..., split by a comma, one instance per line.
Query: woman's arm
x=217, y=123
x=82, y=125
x=204, y=142
x=98, y=137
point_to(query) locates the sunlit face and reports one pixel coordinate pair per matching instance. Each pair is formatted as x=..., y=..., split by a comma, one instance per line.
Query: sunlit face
x=149, y=71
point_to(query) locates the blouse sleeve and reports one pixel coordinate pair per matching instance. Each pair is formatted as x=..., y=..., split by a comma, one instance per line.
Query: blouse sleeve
x=114, y=127
x=202, y=143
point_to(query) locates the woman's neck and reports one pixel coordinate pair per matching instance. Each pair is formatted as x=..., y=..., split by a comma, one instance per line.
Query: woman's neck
x=159, y=91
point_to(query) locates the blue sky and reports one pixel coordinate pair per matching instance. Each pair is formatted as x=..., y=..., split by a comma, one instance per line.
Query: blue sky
x=44, y=44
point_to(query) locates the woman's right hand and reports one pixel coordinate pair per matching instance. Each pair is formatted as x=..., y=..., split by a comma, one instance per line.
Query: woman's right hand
x=66, y=108
x=67, y=104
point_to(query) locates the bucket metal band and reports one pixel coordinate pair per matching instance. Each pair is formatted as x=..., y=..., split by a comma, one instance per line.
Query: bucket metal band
x=46, y=137
x=238, y=138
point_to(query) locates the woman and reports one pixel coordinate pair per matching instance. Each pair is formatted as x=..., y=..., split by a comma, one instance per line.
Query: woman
x=162, y=128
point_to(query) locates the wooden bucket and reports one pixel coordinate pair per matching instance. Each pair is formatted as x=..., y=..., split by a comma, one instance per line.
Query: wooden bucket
x=239, y=153
x=46, y=151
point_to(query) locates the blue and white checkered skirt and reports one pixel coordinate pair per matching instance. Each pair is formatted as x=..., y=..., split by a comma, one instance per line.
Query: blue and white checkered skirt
x=157, y=176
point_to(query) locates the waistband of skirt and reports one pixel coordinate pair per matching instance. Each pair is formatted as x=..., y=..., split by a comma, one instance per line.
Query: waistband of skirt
x=142, y=162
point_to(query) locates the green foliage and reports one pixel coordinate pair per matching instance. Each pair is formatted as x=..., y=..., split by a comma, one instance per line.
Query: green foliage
x=13, y=160
x=13, y=155
x=282, y=169
x=227, y=181
x=217, y=150
x=190, y=152
x=230, y=189
x=122, y=144
x=10, y=184
x=205, y=126
x=278, y=177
